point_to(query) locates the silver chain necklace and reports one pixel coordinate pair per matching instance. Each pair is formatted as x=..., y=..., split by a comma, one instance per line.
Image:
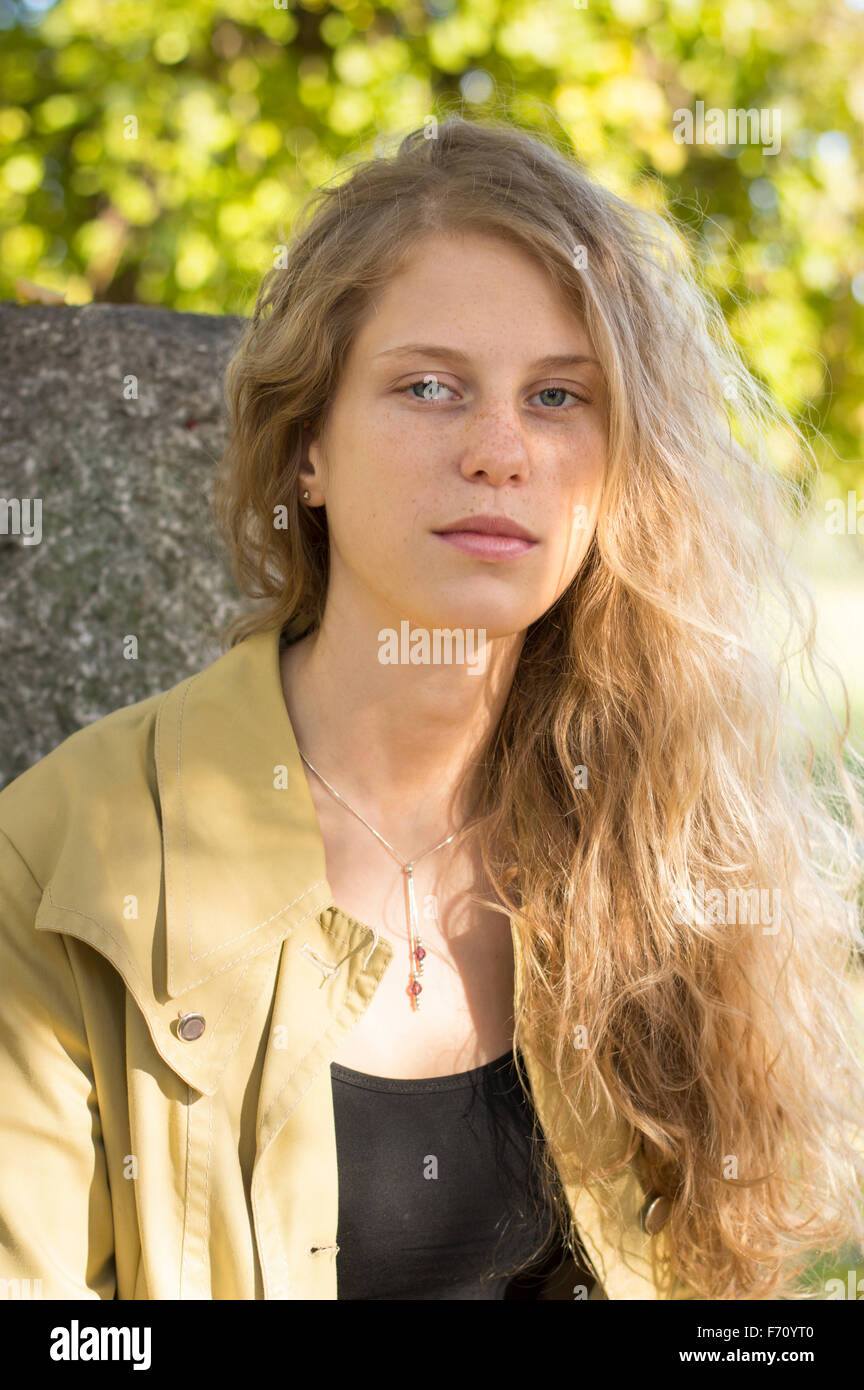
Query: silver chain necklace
x=415, y=948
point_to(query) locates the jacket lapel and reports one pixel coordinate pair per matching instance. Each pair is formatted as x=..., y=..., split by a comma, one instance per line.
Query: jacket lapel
x=244, y=859
x=241, y=853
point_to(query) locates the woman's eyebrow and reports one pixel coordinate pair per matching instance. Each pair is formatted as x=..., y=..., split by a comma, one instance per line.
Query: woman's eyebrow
x=550, y=363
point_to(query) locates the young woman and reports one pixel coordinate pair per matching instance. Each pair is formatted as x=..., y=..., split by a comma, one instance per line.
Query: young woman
x=472, y=928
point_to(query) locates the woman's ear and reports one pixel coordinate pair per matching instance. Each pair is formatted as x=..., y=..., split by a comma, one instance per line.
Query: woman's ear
x=310, y=472
x=308, y=460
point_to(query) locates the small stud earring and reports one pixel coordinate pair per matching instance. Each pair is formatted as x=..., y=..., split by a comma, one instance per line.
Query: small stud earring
x=306, y=494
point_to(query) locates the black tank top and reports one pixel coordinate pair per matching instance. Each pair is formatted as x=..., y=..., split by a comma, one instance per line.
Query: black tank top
x=439, y=1191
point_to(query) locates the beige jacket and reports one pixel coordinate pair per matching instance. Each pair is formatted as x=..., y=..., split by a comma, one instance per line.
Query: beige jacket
x=152, y=867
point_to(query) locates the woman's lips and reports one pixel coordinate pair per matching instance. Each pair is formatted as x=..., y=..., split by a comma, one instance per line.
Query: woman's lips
x=486, y=547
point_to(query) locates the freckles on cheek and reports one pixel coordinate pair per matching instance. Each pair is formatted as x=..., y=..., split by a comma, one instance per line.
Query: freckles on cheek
x=384, y=445
x=397, y=448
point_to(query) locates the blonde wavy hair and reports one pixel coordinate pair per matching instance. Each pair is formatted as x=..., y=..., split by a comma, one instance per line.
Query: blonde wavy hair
x=656, y=672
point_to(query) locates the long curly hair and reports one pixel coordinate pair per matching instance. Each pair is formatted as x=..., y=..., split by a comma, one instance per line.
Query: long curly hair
x=648, y=784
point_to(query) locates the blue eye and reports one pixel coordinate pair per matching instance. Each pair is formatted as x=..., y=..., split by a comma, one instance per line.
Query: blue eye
x=559, y=391
x=430, y=386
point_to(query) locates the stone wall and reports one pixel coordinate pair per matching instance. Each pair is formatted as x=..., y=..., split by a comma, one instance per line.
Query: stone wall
x=124, y=546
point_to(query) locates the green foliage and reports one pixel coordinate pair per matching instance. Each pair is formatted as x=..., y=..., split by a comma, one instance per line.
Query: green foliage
x=157, y=153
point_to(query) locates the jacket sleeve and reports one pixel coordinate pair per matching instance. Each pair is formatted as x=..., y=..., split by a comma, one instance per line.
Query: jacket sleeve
x=56, y=1223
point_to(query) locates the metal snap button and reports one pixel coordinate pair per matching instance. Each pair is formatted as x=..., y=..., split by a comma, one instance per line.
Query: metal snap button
x=191, y=1026
x=656, y=1213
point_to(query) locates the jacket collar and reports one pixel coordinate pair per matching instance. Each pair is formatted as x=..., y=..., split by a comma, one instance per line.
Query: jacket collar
x=230, y=775
x=241, y=856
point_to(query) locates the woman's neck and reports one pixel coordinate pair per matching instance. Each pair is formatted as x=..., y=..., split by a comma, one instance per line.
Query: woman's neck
x=399, y=741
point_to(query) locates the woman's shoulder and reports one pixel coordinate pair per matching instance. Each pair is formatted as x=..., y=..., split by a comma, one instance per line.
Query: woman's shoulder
x=97, y=795
x=96, y=788
x=89, y=757
x=105, y=762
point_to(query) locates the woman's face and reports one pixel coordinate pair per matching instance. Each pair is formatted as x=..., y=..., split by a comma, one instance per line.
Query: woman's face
x=446, y=409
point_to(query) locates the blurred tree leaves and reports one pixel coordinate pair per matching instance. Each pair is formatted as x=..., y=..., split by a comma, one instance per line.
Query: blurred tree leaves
x=155, y=154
